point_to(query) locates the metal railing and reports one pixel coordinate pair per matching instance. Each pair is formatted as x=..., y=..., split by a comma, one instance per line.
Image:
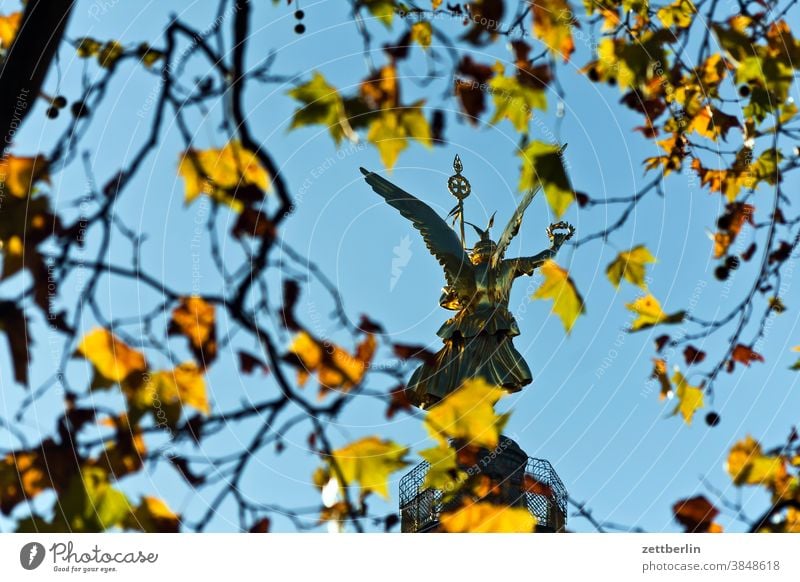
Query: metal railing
x=544, y=493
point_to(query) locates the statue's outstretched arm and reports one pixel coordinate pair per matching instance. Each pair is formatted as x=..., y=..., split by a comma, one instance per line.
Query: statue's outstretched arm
x=526, y=265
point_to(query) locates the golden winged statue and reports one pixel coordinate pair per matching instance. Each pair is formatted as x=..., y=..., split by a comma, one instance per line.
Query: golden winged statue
x=478, y=338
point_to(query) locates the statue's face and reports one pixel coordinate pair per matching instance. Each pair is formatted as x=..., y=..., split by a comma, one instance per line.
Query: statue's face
x=482, y=253
x=478, y=257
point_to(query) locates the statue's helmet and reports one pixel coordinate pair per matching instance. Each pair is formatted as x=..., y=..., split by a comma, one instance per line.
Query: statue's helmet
x=485, y=247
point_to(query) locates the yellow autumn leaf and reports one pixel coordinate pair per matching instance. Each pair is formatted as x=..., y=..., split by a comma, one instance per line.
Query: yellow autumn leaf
x=680, y=14
x=467, y=414
x=649, y=313
x=444, y=473
x=220, y=173
x=9, y=24
x=690, y=398
x=153, y=515
x=383, y=10
x=436, y=3
x=660, y=374
x=513, y=100
x=18, y=174
x=542, y=165
x=558, y=286
x=747, y=465
x=422, y=33
x=484, y=517
x=369, y=462
x=184, y=385
x=630, y=265
x=552, y=24
x=712, y=123
x=393, y=129
x=112, y=358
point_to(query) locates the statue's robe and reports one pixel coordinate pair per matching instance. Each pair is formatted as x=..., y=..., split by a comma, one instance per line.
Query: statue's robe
x=478, y=339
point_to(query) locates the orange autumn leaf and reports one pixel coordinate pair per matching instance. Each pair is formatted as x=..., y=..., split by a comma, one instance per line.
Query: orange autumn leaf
x=334, y=366
x=380, y=91
x=9, y=24
x=745, y=354
x=552, y=24
x=19, y=174
x=125, y=452
x=731, y=222
x=21, y=477
x=722, y=242
x=26, y=473
x=194, y=318
x=697, y=515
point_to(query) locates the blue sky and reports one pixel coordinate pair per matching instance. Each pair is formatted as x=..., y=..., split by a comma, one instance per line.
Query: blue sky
x=590, y=410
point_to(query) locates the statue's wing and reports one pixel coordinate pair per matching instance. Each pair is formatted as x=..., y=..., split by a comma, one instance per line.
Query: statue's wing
x=512, y=228
x=440, y=239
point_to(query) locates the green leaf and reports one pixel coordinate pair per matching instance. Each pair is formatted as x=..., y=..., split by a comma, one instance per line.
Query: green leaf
x=322, y=105
x=89, y=505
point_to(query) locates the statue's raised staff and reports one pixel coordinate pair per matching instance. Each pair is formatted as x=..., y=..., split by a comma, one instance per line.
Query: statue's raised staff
x=478, y=338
